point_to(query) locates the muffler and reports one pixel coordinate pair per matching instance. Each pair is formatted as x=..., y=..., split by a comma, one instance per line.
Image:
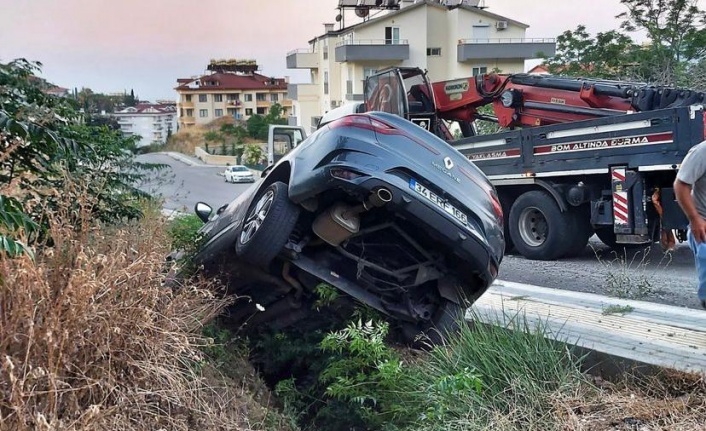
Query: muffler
x=340, y=221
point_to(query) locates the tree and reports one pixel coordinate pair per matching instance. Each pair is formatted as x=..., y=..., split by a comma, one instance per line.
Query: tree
x=675, y=29
x=46, y=149
x=608, y=55
x=211, y=137
x=129, y=100
x=258, y=125
x=676, y=40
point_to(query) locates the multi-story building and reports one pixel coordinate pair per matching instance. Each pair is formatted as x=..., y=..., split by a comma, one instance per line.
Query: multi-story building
x=151, y=122
x=449, y=41
x=233, y=89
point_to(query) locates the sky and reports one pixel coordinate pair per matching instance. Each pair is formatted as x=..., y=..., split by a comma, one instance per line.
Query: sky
x=145, y=45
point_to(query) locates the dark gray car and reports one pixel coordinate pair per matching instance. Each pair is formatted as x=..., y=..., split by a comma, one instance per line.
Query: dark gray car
x=371, y=204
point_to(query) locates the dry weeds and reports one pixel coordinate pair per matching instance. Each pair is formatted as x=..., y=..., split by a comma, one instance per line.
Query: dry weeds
x=90, y=339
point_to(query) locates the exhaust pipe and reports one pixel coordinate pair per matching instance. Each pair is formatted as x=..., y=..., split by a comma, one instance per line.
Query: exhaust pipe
x=341, y=221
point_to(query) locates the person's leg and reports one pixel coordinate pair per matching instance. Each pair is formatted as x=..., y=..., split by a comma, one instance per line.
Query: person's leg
x=699, y=250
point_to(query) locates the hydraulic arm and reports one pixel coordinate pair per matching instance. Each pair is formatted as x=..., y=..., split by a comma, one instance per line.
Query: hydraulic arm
x=523, y=100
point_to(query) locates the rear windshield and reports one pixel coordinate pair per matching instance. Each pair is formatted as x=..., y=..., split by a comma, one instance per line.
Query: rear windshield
x=239, y=169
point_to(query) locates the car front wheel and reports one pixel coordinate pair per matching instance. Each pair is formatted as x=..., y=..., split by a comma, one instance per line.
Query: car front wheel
x=267, y=226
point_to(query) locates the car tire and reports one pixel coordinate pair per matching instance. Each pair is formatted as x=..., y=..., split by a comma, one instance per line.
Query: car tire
x=608, y=237
x=538, y=228
x=268, y=223
x=437, y=330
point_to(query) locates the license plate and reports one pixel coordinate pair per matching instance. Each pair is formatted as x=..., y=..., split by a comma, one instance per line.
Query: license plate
x=438, y=201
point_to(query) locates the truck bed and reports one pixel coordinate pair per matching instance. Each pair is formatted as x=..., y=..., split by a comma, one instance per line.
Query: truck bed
x=647, y=141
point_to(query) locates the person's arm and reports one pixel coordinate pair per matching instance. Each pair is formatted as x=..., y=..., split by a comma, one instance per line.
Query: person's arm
x=682, y=191
x=692, y=168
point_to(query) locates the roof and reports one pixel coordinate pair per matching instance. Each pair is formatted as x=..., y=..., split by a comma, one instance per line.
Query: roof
x=148, y=109
x=231, y=81
x=416, y=6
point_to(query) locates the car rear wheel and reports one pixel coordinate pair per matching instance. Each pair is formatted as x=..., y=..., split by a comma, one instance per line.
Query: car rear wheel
x=267, y=226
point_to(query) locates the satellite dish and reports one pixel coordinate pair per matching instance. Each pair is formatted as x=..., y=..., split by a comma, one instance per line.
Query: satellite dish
x=362, y=11
x=339, y=17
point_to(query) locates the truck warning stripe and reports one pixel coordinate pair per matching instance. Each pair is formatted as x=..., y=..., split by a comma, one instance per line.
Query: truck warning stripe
x=494, y=155
x=619, y=174
x=620, y=208
x=603, y=144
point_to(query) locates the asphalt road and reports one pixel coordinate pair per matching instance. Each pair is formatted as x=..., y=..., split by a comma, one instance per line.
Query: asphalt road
x=639, y=274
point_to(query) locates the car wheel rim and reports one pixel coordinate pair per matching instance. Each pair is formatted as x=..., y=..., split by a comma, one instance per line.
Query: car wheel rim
x=257, y=216
x=533, y=227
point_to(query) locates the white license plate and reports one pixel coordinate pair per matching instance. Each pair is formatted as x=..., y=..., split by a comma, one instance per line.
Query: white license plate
x=439, y=201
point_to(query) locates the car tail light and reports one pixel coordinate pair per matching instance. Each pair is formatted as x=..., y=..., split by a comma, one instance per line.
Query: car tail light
x=377, y=126
x=364, y=122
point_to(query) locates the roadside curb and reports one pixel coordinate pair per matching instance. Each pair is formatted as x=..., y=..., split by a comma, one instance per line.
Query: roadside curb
x=182, y=158
x=172, y=214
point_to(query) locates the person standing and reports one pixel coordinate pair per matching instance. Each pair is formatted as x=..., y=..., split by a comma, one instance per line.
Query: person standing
x=690, y=191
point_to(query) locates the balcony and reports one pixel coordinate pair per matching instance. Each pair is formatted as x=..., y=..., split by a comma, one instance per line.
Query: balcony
x=263, y=104
x=186, y=104
x=297, y=91
x=508, y=48
x=233, y=103
x=287, y=103
x=302, y=59
x=188, y=120
x=372, y=50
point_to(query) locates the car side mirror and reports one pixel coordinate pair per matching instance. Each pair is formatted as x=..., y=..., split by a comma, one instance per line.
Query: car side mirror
x=203, y=211
x=266, y=171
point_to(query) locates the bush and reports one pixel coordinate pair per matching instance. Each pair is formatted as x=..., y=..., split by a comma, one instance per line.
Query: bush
x=91, y=339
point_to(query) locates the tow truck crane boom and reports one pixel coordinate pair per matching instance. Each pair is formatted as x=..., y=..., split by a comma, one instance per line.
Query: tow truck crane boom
x=535, y=100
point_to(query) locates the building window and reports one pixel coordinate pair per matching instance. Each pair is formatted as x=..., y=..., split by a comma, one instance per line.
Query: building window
x=217, y=97
x=434, y=52
x=326, y=82
x=349, y=87
x=233, y=97
x=248, y=111
x=203, y=113
x=219, y=113
x=261, y=111
x=392, y=35
x=274, y=97
x=260, y=97
x=189, y=112
x=325, y=49
x=479, y=70
x=188, y=97
x=203, y=97
x=248, y=97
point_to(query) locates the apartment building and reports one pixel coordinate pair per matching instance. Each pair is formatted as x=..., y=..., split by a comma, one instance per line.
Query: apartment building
x=231, y=88
x=151, y=122
x=450, y=39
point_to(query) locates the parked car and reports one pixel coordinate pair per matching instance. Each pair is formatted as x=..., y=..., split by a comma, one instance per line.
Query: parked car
x=371, y=204
x=238, y=174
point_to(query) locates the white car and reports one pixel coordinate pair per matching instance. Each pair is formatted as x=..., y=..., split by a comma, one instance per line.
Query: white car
x=238, y=174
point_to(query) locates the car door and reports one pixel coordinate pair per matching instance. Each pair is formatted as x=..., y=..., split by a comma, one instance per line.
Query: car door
x=281, y=140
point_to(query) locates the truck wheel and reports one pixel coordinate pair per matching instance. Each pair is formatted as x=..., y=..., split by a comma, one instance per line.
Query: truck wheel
x=267, y=226
x=538, y=228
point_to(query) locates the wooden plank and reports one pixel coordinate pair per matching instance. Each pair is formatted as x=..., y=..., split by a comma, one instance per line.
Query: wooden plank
x=653, y=334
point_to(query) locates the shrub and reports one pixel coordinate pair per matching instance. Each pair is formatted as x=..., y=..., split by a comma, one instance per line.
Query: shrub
x=92, y=339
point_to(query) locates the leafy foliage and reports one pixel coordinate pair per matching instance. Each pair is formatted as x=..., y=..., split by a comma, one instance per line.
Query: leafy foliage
x=46, y=147
x=258, y=125
x=676, y=32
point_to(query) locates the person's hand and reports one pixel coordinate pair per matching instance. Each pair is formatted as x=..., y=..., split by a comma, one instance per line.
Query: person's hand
x=698, y=229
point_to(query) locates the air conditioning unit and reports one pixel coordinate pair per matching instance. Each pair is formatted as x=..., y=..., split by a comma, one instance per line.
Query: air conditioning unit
x=501, y=25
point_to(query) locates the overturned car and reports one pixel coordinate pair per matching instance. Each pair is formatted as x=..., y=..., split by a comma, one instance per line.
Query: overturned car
x=371, y=204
